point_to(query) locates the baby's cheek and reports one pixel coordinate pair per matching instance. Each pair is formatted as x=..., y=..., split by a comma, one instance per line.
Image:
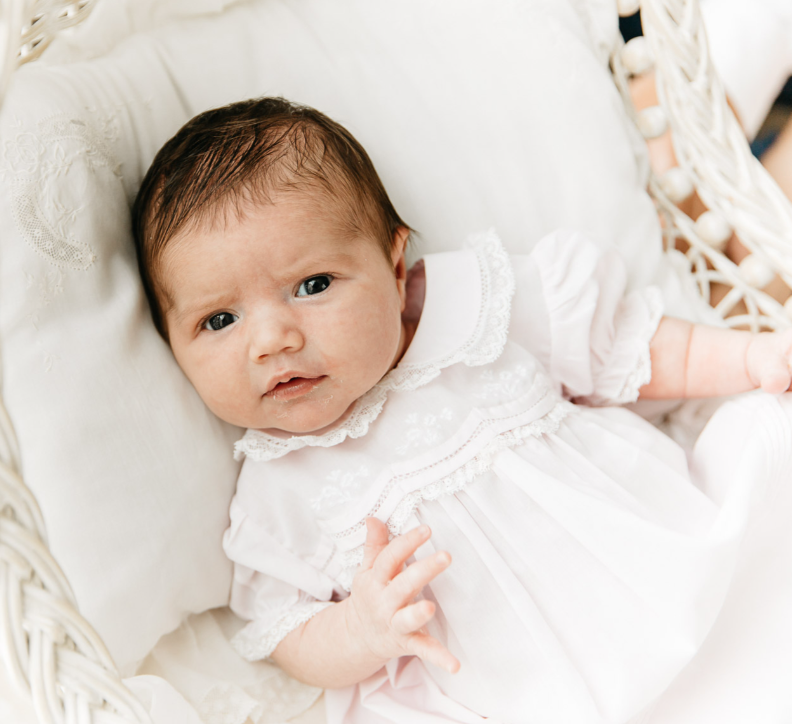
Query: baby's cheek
x=220, y=386
x=368, y=339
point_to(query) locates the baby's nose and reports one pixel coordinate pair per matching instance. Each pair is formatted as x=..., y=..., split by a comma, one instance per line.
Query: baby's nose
x=274, y=336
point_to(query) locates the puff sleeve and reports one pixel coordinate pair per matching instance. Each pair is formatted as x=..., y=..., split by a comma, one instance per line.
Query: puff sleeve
x=571, y=309
x=278, y=552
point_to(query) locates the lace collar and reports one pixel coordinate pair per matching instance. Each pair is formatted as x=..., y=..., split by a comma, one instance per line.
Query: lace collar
x=457, y=325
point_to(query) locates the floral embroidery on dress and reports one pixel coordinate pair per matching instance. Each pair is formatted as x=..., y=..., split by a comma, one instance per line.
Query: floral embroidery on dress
x=456, y=481
x=485, y=345
x=502, y=385
x=423, y=430
x=343, y=485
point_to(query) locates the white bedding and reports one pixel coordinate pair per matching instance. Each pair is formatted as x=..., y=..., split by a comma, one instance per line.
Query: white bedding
x=488, y=114
x=198, y=661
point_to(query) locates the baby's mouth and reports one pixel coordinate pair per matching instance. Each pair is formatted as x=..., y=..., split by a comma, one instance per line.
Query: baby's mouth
x=294, y=387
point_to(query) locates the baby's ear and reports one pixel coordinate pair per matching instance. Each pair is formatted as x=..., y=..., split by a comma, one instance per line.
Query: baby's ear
x=401, y=236
x=398, y=248
x=399, y=239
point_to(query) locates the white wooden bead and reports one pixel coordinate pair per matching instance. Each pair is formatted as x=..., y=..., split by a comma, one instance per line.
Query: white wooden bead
x=652, y=122
x=713, y=229
x=676, y=184
x=637, y=56
x=627, y=7
x=756, y=272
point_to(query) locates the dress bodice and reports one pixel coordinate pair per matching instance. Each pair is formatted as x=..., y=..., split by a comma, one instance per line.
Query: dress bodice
x=464, y=390
x=480, y=405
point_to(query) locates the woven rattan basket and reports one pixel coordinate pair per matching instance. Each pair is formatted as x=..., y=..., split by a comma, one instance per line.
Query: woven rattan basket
x=54, y=655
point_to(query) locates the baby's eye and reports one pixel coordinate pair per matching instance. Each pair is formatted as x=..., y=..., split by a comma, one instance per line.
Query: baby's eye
x=218, y=321
x=314, y=285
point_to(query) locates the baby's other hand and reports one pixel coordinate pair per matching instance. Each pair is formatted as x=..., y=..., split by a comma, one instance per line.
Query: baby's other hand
x=383, y=615
x=768, y=361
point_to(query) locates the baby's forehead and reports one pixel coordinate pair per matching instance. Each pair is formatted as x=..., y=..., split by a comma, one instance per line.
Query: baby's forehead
x=278, y=235
x=277, y=239
x=303, y=201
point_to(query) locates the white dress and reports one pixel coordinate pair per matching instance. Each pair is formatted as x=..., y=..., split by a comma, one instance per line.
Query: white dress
x=589, y=559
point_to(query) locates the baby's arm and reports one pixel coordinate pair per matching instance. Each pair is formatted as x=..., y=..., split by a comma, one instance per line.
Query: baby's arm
x=693, y=360
x=347, y=642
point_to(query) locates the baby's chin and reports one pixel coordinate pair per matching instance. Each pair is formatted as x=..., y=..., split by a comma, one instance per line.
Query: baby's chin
x=312, y=419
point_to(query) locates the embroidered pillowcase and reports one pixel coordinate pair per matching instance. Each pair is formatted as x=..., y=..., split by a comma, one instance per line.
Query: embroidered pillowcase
x=476, y=115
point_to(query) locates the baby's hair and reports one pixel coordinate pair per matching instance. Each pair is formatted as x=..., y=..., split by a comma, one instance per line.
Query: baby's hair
x=247, y=152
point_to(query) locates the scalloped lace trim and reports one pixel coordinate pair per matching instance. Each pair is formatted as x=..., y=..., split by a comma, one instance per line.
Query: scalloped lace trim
x=254, y=642
x=485, y=345
x=262, y=447
x=457, y=480
x=642, y=372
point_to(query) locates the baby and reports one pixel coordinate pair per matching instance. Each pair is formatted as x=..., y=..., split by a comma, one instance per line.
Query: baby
x=397, y=420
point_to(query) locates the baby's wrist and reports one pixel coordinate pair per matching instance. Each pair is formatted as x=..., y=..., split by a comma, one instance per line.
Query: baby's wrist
x=768, y=361
x=359, y=645
x=750, y=355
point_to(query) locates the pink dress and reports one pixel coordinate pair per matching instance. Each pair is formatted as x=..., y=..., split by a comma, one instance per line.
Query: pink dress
x=589, y=560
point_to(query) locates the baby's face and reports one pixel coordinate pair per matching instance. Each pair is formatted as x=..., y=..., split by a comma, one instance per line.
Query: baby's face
x=279, y=319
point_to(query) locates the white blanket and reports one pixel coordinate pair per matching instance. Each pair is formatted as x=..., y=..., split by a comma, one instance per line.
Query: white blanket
x=194, y=676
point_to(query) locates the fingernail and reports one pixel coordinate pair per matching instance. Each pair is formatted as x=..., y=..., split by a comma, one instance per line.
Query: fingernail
x=443, y=558
x=423, y=530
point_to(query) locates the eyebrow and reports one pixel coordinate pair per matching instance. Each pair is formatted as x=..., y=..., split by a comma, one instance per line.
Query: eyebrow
x=216, y=302
x=180, y=315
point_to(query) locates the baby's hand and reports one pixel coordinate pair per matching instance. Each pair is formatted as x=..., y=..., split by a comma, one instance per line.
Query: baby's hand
x=382, y=615
x=768, y=361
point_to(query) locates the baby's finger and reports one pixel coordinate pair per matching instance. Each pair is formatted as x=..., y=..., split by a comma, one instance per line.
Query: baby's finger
x=390, y=561
x=408, y=584
x=410, y=618
x=776, y=383
x=776, y=376
x=376, y=541
x=431, y=650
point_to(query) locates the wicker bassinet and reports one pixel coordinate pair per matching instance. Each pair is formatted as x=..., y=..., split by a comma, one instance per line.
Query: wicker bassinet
x=52, y=653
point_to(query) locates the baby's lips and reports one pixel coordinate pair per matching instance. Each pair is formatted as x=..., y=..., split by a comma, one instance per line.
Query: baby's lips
x=294, y=387
x=280, y=378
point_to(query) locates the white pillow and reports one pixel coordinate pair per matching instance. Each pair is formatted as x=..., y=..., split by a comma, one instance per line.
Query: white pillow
x=131, y=471
x=477, y=113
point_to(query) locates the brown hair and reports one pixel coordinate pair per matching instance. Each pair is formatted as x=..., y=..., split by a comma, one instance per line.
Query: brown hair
x=246, y=151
